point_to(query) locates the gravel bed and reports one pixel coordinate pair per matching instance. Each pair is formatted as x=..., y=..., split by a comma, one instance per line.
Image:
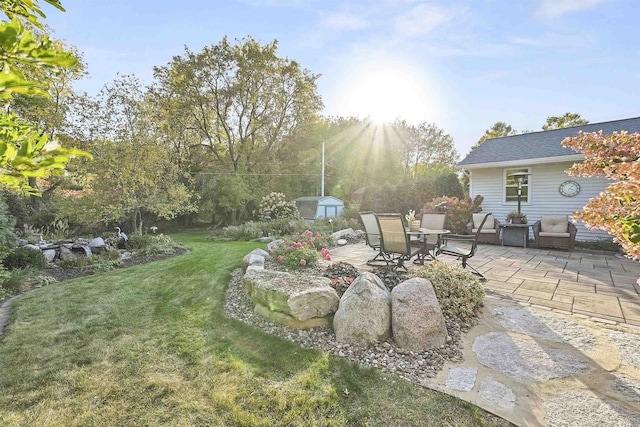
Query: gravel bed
x=412, y=366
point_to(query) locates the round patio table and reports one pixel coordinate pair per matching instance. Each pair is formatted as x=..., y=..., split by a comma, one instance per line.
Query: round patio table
x=423, y=232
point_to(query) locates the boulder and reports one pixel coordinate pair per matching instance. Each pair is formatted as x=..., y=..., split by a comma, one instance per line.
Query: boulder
x=347, y=233
x=300, y=296
x=273, y=244
x=84, y=250
x=97, y=245
x=416, y=319
x=255, y=257
x=31, y=246
x=49, y=254
x=364, y=314
x=66, y=254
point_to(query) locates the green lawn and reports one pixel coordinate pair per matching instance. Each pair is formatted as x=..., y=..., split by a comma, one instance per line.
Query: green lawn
x=150, y=345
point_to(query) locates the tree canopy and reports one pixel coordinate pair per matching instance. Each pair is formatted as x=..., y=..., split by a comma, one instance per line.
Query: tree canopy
x=498, y=130
x=564, y=121
x=23, y=145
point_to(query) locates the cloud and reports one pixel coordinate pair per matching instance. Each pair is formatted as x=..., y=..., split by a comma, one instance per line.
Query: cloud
x=556, y=8
x=344, y=20
x=423, y=18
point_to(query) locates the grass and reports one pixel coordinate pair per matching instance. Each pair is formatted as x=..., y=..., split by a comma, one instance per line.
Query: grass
x=150, y=345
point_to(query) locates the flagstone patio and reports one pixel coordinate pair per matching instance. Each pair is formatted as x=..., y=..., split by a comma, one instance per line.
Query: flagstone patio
x=601, y=287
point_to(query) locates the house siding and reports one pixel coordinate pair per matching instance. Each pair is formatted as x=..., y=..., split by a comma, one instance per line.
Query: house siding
x=545, y=198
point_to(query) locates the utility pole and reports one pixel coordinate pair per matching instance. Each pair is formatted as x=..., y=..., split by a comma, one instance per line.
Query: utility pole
x=322, y=178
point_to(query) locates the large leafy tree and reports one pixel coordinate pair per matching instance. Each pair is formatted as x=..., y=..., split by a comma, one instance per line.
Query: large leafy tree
x=498, y=130
x=131, y=175
x=243, y=100
x=617, y=208
x=23, y=144
x=564, y=121
x=425, y=145
x=240, y=103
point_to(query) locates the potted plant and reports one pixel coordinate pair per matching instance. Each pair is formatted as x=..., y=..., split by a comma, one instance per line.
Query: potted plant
x=516, y=217
x=412, y=222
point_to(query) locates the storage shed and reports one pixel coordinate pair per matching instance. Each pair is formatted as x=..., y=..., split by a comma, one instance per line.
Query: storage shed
x=315, y=207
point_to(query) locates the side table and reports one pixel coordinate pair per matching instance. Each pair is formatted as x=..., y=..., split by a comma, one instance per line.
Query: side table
x=515, y=235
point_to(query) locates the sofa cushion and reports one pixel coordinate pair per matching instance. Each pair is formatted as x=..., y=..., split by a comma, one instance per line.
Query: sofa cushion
x=488, y=224
x=554, y=223
x=547, y=234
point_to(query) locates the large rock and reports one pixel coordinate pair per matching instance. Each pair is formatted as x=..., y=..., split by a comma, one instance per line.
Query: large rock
x=347, y=233
x=364, y=315
x=49, y=254
x=416, y=318
x=255, y=258
x=97, y=245
x=301, y=296
x=66, y=254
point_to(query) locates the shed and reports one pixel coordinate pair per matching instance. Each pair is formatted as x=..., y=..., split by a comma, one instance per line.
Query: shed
x=542, y=155
x=314, y=207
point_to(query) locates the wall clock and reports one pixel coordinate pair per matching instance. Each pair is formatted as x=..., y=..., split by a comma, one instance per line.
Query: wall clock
x=569, y=188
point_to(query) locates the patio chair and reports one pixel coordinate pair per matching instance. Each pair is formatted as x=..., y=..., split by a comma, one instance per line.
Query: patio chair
x=554, y=231
x=490, y=232
x=372, y=237
x=394, y=240
x=432, y=221
x=463, y=246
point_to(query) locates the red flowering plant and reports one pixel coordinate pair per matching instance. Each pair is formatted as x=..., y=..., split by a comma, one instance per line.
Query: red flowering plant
x=617, y=209
x=302, y=250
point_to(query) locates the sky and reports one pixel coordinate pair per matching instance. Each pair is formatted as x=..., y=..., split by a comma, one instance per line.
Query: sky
x=462, y=65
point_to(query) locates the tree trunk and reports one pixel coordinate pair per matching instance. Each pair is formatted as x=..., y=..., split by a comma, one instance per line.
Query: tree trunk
x=35, y=201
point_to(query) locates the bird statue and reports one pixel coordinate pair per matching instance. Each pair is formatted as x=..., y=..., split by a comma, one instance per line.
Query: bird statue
x=121, y=234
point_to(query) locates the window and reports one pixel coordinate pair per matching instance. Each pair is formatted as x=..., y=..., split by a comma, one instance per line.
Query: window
x=511, y=186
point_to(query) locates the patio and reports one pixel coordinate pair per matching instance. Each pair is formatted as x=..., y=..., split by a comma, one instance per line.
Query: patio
x=556, y=342
x=600, y=287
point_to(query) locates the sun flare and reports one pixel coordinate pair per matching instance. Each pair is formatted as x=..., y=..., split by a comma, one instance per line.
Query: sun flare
x=384, y=93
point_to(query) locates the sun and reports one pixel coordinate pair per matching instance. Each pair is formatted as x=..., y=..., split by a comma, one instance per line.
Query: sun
x=385, y=93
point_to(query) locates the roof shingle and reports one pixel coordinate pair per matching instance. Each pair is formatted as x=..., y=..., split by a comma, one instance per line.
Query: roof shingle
x=537, y=145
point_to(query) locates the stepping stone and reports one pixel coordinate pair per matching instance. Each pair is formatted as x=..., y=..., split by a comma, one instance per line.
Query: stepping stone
x=462, y=379
x=526, y=360
x=497, y=393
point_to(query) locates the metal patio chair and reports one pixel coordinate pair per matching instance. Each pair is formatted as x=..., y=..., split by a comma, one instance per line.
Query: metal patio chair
x=463, y=246
x=394, y=240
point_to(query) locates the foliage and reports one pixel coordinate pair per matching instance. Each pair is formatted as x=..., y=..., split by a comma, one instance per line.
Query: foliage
x=459, y=292
x=23, y=147
x=302, y=250
x=251, y=230
x=25, y=258
x=14, y=280
x=617, y=209
x=7, y=236
x=291, y=255
x=131, y=173
x=459, y=211
x=515, y=214
x=275, y=206
x=42, y=280
x=425, y=144
x=564, y=121
x=498, y=130
x=151, y=244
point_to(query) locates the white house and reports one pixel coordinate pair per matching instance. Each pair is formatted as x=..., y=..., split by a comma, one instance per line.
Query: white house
x=548, y=189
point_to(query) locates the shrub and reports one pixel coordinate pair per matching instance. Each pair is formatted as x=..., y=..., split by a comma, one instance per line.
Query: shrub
x=302, y=250
x=254, y=230
x=24, y=257
x=15, y=279
x=275, y=206
x=459, y=211
x=7, y=237
x=459, y=292
x=151, y=244
x=41, y=280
